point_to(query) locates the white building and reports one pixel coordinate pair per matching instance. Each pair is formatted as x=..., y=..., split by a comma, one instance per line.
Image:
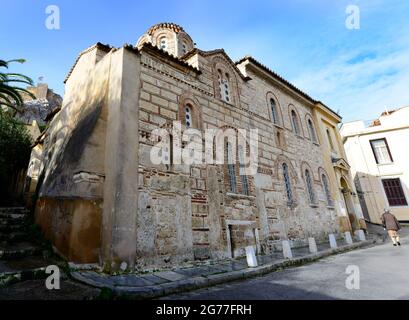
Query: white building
x=378, y=155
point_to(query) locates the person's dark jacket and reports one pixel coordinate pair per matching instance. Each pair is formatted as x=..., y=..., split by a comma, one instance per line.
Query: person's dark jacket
x=390, y=222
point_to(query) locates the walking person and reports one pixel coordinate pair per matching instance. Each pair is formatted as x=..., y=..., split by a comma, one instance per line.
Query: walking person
x=391, y=224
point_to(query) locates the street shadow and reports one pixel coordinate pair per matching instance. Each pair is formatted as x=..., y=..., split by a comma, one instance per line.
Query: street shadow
x=251, y=291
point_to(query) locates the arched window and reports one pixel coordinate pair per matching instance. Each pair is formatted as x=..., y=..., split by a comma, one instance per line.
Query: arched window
x=163, y=43
x=295, y=123
x=184, y=48
x=220, y=80
x=274, y=113
x=227, y=89
x=287, y=182
x=243, y=175
x=331, y=144
x=188, y=116
x=326, y=190
x=231, y=168
x=224, y=85
x=312, y=131
x=310, y=187
x=167, y=152
x=189, y=113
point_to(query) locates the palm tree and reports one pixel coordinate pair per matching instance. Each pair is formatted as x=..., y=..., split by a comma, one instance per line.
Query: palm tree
x=10, y=95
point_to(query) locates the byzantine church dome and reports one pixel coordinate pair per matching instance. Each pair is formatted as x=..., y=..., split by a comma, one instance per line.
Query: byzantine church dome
x=169, y=37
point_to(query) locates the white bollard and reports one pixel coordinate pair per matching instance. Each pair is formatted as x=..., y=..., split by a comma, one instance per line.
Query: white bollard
x=332, y=241
x=313, y=245
x=348, y=238
x=251, y=257
x=287, y=250
x=361, y=235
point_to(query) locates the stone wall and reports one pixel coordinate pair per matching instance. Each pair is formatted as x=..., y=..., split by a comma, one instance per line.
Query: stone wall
x=222, y=223
x=77, y=150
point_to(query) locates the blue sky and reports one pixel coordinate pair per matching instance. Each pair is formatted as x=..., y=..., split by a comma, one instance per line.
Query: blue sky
x=359, y=73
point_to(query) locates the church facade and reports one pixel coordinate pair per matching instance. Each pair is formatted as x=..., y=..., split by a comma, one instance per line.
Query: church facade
x=102, y=198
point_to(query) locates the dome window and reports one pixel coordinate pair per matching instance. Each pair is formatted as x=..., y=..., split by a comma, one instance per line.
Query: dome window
x=163, y=43
x=184, y=48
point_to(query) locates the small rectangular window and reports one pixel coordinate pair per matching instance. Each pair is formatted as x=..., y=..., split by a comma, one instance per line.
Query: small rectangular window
x=381, y=151
x=394, y=192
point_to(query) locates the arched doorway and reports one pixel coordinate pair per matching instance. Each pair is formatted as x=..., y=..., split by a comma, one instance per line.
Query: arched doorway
x=349, y=204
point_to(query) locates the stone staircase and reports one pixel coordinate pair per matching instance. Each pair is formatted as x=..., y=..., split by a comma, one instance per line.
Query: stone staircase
x=21, y=257
x=12, y=225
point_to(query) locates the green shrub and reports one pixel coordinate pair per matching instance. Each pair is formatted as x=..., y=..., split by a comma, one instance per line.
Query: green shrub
x=15, y=149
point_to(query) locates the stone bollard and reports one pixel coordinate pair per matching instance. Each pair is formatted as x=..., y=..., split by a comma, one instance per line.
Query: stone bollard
x=313, y=245
x=361, y=235
x=348, y=238
x=332, y=241
x=287, y=250
x=251, y=257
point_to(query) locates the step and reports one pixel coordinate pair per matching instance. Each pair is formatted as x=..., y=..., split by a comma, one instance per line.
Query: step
x=13, y=236
x=12, y=221
x=14, y=210
x=29, y=268
x=13, y=215
x=18, y=250
x=5, y=229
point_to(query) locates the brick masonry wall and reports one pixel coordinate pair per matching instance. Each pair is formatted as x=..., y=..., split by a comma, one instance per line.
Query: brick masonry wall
x=171, y=197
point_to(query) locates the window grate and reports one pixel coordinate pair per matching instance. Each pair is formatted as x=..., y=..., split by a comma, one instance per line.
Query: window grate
x=309, y=186
x=394, y=192
x=274, y=112
x=327, y=192
x=288, y=184
x=231, y=169
x=243, y=176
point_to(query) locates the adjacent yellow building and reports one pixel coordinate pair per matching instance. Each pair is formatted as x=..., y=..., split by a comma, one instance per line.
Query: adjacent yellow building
x=341, y=183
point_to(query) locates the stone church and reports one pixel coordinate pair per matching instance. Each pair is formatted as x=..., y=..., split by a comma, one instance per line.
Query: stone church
x=101, y=199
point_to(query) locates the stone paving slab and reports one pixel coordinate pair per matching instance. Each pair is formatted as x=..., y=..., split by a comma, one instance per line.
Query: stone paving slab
x=130, y=280
x=196, y=272
x=154, y=279
x=323, y=246
x=265, y=259
x=221, y=268
x=191, y=272
x=235, y=265
x=170, y=275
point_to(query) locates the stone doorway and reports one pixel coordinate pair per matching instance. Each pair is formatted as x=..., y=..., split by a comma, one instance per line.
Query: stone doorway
x=241, y=234
x=349, y=204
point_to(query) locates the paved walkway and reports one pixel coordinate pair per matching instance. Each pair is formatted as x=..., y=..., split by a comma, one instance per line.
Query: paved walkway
x=167, y=282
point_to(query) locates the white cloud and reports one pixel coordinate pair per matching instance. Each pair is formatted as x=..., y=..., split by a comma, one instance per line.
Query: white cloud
x=361, y=88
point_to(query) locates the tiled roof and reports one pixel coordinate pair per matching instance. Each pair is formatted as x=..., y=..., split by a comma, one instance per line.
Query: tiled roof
x=108, y=48
x=212, y=52
x=191, y=53
x=170, y=56
x=165, y=25
x=284, y=81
